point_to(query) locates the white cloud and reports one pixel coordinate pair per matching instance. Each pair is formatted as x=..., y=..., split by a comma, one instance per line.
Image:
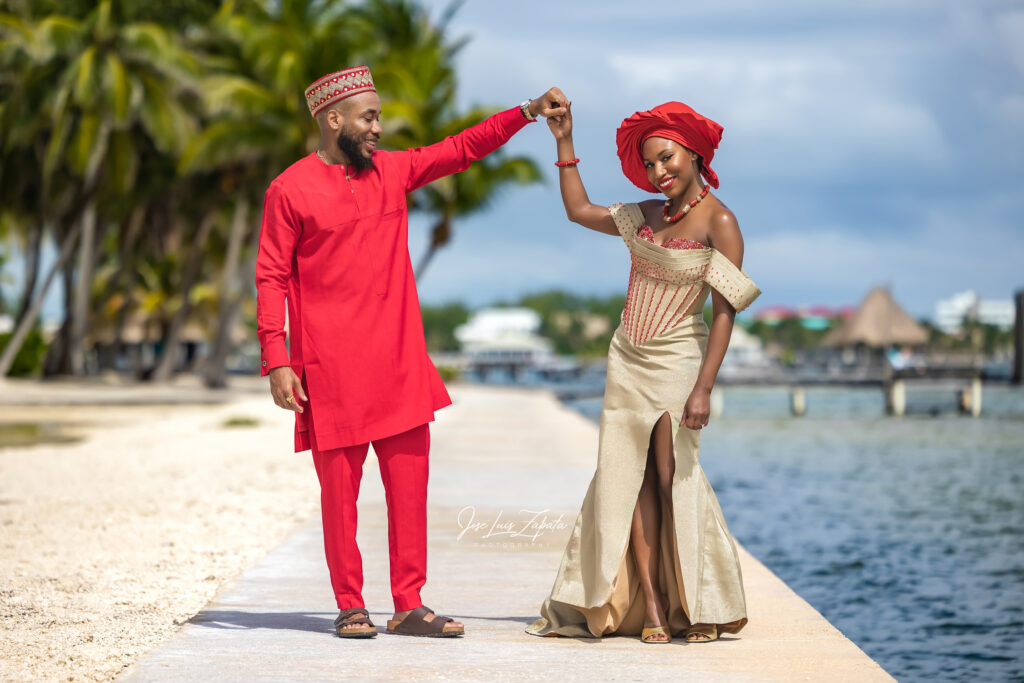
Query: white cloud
x=818, y=114
x=855, y=134
x=1010, y=27
x=922, y=263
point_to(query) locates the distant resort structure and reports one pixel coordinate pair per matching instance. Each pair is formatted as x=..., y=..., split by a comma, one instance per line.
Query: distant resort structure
x=563, y=340
x=508, y=341
x=810, y=317
x=951, y=313
x=875, y=343
x=504, y=340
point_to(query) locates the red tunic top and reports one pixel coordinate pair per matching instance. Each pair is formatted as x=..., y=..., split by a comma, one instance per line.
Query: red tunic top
x=337, y=250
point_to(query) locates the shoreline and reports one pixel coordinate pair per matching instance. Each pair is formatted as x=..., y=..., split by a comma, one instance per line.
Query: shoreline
x=111, y=542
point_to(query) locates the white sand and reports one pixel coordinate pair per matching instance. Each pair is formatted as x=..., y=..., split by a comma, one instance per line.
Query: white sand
x=109, y=544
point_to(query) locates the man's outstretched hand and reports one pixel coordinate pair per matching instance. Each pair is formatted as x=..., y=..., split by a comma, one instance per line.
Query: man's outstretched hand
x=285, y=384
x=551, y=103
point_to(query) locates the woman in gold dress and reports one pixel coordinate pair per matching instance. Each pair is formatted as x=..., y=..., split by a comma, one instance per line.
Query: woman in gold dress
x=650, y=553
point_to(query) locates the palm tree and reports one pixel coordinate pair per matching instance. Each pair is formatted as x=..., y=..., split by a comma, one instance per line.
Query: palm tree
x=96, y=91
x=257, y=59
x=144, y=154
x=414, y=68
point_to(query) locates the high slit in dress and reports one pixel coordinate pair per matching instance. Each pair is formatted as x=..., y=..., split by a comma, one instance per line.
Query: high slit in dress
x=653, y=361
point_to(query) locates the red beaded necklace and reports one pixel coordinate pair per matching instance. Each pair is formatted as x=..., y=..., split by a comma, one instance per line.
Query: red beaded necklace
x=686, y=208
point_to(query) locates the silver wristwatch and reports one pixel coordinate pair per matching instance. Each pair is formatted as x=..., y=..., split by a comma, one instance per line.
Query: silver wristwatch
x=525, y=109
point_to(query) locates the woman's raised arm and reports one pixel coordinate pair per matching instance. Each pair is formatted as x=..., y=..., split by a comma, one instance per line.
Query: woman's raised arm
x=578, y=206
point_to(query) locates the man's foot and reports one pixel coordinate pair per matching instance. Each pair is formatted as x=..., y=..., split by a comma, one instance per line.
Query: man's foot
x=421, y=622
x=354, y=623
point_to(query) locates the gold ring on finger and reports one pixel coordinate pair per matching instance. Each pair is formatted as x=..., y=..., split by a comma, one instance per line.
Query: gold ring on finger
x=289, y=399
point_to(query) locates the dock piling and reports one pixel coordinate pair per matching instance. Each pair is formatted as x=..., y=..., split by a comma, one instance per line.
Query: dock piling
x=717, y=402
x=970, y=398
x=1018, y=341
x=797, y=401
x=896, y=397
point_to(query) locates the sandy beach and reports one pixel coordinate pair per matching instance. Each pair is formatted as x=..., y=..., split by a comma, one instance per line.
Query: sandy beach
x=109, y=543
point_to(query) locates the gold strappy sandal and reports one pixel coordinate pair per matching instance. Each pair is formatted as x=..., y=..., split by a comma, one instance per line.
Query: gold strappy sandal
x=654, y=631
x=710, y=631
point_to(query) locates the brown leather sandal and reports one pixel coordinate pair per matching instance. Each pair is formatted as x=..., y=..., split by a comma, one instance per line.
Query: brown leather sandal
x=355, y=615
x=415, y=625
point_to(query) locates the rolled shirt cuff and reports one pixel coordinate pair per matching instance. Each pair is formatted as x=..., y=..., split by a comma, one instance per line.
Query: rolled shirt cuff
x=274, y=357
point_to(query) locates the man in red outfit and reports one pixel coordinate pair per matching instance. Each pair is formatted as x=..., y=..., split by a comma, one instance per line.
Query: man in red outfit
x=334, y=246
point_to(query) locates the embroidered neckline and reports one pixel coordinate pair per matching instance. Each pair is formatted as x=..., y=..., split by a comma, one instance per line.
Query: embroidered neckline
x=646, y=233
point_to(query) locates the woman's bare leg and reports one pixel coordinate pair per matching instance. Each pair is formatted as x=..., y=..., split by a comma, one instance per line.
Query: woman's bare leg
x=646, y=526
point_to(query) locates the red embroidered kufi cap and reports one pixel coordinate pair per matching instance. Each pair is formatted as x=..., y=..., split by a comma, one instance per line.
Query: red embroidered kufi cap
x=672, y=120
x=338, y=86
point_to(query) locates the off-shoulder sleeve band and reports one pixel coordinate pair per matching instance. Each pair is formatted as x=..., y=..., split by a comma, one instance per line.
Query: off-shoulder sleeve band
x=628, y=219
x=731, y=282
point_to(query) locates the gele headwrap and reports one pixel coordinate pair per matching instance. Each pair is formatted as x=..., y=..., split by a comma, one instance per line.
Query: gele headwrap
x=672, y=120
x=338, y=86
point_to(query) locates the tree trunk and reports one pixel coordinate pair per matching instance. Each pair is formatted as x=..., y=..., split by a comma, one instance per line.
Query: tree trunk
x=32, y=252
x=126, y=278
x=439, y=236
x=81, y=303
x=232, y=293
x=168, y=362
x=32, y=314
x=77, y=301
x=56, y=361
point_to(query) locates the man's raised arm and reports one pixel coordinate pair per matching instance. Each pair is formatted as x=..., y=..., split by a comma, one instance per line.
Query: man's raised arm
x=456, y=152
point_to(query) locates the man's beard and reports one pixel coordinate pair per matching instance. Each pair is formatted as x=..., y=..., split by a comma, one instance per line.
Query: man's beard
x=352, y=148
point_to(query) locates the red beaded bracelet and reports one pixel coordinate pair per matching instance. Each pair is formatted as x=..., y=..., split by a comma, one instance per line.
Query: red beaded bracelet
x=563, y=164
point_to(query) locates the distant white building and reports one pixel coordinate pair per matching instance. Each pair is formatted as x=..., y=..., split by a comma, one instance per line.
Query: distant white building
x=511, y=336
x=950, y=313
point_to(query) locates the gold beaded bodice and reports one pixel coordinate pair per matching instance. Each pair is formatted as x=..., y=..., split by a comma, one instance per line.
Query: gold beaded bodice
x=668, y=285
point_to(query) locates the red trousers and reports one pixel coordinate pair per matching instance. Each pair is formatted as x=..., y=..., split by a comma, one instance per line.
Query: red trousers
x=403, y=470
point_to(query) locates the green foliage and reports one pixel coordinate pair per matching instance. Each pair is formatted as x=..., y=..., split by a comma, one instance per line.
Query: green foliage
x=235, y=422
x=439, y=323
x=161, y=115
x=448, y=374
x=973, y=336
x=578, y=325
x=29, y=359
x=21, y=434
x=789, y=334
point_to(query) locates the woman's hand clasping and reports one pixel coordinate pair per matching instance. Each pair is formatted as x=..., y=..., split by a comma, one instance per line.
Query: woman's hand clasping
x=561, y=126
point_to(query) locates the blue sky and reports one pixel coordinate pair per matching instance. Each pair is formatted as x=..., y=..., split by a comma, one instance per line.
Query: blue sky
x=865, y=143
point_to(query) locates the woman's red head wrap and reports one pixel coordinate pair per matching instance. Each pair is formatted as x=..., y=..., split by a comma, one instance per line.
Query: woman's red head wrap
x=672, y=120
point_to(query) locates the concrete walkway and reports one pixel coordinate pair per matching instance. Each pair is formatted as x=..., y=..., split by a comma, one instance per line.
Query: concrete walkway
x=501, y=458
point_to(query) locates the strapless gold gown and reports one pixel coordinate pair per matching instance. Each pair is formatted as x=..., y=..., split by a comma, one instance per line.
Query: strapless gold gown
x=653, y=362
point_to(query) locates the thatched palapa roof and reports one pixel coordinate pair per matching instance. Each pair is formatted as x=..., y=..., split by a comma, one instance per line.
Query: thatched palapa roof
x=878, y=321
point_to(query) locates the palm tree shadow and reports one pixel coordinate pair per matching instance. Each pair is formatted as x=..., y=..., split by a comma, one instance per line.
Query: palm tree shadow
x=286, y=621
